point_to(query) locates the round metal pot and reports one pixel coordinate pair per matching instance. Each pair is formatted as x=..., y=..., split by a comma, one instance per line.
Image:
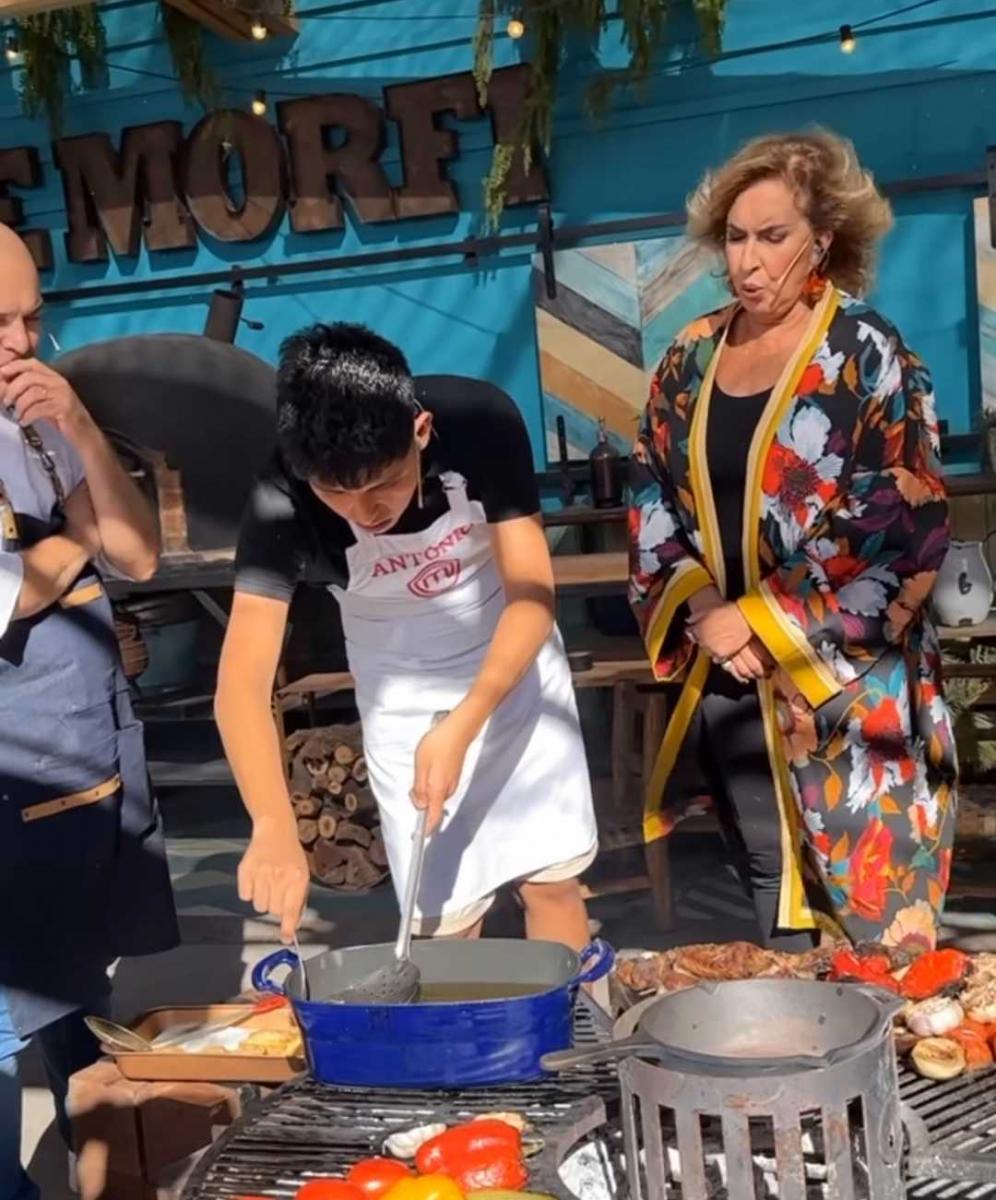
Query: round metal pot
x=751, y=1027
x=440, y=1043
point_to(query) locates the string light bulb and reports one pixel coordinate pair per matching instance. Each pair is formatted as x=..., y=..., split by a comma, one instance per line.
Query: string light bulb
x=12, y=50
x=258, y=30
x=515, y=29
x=847, y=39
x=259, y=104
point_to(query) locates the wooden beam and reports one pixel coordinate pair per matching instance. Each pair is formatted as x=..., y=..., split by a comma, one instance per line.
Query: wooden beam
x=235, y=24
x=30, y=8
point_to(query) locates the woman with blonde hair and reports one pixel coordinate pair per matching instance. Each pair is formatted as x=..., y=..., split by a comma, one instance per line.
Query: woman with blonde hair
x=788, y=518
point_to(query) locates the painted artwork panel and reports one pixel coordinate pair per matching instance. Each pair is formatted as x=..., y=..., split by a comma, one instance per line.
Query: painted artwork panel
x=617, y=308
x=985, y=274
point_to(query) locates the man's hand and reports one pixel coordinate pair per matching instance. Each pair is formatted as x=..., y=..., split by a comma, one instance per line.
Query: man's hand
x=438, y=767
x=273, y=875
x=721, y=631
x=35, y=392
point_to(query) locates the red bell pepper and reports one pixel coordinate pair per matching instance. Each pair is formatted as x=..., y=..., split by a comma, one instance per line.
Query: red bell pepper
x=932, y=972
x=328, y=1189
x=492, y=1170
x=448, y=1152
x=873, y=969
x=376, y=1176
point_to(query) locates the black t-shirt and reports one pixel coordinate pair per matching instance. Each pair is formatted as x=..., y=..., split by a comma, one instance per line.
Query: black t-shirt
x=288, y=534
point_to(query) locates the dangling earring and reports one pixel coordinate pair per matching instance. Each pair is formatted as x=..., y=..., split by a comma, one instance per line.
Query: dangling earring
x=816, y=281
x=418, y=467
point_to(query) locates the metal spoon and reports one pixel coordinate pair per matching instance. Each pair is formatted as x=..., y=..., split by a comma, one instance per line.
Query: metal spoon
x=116, y=1037
x=399, y=981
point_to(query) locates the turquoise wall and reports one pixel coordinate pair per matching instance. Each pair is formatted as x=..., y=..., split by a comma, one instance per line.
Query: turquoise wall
x=917, y=96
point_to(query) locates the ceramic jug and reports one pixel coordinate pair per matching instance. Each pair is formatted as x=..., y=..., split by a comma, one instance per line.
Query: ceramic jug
x=963, y=593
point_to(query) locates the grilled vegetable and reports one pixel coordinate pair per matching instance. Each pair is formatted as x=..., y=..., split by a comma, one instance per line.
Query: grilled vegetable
x=932, y=972
x=376, y=1176
x=407, y=1143
x=425, y=1187
x=510, y=1118
x=980, y=1003
x=492, y=1169
x=328, y=1189
x=848, y=967
x=939, y=1058
x=935, y=1017
x=977, y=1052
x=448, y=1152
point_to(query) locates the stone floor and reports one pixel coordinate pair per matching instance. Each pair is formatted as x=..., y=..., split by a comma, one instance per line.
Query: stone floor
x=221, y=941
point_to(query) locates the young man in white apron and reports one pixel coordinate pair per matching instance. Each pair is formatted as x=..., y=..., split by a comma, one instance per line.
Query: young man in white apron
x=417, y=502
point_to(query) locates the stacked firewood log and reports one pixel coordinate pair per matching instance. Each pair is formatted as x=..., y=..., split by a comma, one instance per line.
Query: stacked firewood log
x=337, y=820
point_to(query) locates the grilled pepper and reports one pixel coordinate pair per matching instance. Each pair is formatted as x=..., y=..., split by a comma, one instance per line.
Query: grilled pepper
x=328, y=1189
x=425, y=1187
x=492, y=1170
x=376, y=1176
x=873, y=969
x=448, y=1152
x=932, y=972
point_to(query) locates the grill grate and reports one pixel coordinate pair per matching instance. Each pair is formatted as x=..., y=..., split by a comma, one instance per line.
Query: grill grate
x=307, y=1129
x=952, y=1134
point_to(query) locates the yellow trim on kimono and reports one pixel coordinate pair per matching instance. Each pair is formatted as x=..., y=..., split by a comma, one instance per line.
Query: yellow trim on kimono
x=793, y=909
x=788, y=645
x=688, y=577
x=654, y=826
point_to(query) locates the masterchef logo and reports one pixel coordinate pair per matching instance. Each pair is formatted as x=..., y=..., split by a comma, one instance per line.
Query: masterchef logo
x=435, y=578
x=436, y=571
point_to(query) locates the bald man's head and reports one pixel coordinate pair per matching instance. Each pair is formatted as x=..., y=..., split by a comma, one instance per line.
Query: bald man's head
x=20, y=299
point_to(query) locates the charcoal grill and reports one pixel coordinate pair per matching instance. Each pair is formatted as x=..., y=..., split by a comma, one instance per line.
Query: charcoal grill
x=306, y=1128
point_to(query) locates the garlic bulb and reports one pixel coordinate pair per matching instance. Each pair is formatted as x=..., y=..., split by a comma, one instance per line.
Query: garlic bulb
x=408, y=1142
x=980, y=1003
x=935, y=1017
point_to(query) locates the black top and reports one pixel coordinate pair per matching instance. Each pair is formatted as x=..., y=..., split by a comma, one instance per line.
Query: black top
x=732, y=421
x=287, y=533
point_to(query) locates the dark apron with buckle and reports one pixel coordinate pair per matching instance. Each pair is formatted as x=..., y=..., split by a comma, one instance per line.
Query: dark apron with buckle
x=83, y=871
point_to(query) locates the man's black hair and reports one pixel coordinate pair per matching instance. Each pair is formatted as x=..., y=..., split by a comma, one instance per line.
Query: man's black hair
x=345, y=404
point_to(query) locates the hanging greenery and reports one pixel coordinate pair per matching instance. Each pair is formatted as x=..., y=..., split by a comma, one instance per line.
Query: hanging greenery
x=185, y=39
x=49, y=42
x=548, y=24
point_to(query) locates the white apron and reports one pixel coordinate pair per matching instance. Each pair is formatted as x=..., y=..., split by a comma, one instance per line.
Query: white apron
x=419, y=614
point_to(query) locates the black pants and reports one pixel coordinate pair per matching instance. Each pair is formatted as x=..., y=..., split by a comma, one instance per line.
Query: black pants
x=734, y=759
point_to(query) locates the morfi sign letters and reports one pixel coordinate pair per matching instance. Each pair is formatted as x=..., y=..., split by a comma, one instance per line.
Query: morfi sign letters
x=162, y=188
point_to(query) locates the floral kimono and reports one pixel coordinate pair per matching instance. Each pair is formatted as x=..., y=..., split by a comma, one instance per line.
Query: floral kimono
x=845, y=528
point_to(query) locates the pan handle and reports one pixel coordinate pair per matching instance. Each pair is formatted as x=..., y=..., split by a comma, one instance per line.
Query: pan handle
x=582, y=1056
x=262, y=971
x=597, y=959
